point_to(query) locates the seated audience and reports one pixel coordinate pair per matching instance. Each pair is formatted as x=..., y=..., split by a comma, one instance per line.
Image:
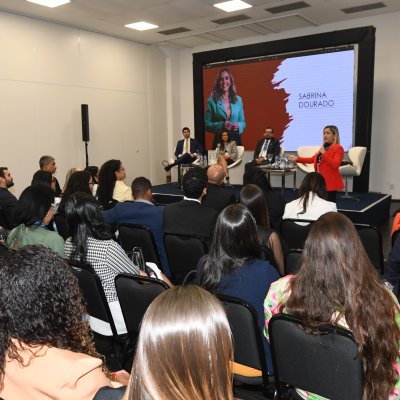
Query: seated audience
x=253, y=198
x=8, y=201
x=46, y=349
x=44, y=178
x=142, y=212
x=91, y=241
x=218, y=196
x=34, y=211
x=233, y=265
x=275, y=201
x=94, y=173
x=48, y=163
x=337, y=284
x=68, y=175
x=184, y=349
x=189, y=216
x=112, y=188
x=312, y=202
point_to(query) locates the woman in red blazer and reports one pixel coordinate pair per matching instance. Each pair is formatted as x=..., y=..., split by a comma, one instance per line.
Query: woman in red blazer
x=327, y=161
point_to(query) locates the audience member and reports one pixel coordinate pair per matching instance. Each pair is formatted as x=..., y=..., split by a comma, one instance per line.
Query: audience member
x=142, y=212
x=44, y=178
x=48, y=163
x=268, y=145
x=186, y=150
x=218, y=196
x=112, y=188
x=233, y=266
x=8, y=201
x=46, y=349
x=312, y=202
x=34, y=211
x=337, y=284
x=68, y=175
x=189, y=216
x=274, y=199
x=91, y=241
x=94, y=173
x=253, y=198
x=184, y=349
x=393, y=271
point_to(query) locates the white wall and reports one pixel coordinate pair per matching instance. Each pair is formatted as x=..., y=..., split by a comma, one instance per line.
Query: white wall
x=385, y=145
x=47, y=71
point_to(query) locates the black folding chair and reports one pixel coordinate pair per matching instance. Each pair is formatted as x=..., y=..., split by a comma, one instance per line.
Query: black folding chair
x=132, y=235
x=108, y=342
x=248, y=344
x=292, y=261
x=295, y=234
x=371, y=238
x=183, y=253
x=326, y=363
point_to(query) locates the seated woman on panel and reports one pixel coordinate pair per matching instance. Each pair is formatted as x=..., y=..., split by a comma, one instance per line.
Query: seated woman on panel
x=46, y=349
x=253, y=198
x=184, y=349
x=312, y=202
x=226, y=152
x=337, y=284
x=233, y=265
x=33, y=213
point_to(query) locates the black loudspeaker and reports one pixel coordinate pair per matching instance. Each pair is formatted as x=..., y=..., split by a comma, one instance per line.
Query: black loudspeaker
x=85, y=122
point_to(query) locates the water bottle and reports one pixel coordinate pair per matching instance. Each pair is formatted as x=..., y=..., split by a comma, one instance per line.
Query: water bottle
x=205, y=161
x=277, y=162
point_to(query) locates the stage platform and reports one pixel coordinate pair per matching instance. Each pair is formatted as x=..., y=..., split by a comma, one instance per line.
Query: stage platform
x=372, y=209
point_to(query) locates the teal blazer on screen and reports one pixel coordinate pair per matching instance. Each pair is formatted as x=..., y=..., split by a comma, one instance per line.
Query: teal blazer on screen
x=216, y=115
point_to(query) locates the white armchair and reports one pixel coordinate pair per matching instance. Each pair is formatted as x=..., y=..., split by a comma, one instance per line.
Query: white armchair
x=240, y=152
x=356, y=157
x=307, y=151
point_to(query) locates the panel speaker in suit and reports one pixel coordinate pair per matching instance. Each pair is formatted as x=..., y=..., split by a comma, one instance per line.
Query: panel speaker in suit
x=85, y=122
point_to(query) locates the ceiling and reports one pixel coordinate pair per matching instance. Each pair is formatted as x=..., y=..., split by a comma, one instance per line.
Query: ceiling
x=201, y=22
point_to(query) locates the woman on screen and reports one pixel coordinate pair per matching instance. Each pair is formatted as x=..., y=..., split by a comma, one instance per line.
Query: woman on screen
x=327, y=161
x=225, y=109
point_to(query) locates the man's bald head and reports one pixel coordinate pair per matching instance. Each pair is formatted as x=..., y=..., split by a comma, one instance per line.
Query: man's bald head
x=215, y=174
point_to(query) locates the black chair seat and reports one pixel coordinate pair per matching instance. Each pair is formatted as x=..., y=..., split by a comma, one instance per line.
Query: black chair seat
x=295, y=234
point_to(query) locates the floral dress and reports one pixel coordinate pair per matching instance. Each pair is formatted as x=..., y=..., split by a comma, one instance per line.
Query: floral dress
x=279, y=292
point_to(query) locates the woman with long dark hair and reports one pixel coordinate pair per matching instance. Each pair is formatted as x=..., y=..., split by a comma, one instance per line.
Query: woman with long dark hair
x=184, y=349
x=337, y=284
x=233, y=265
x=111, y=187
x=46, y=348
x=253, y=198
x=312, y=202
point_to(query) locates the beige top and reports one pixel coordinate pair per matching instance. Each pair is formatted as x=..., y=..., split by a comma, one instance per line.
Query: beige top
x=122, y=192
x=48, y=373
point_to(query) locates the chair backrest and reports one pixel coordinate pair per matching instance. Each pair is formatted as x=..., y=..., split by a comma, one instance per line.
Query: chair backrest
x=183, y=253
x=93, y=293
x=357, y=156
x=240, y=151
x=371, y=238
x=135, y=293
x=246, y=334
x=295, y=234
x=292, y=261
x=307, y=151
x=131, y=235
x=326, y=364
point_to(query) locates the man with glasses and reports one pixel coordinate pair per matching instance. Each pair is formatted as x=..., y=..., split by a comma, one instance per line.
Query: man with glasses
x=266, y=150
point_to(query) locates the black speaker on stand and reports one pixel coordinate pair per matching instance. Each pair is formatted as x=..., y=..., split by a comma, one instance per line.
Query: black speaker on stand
x=85, y=129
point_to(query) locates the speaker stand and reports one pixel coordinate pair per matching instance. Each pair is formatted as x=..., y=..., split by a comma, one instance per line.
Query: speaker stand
x=86, y=153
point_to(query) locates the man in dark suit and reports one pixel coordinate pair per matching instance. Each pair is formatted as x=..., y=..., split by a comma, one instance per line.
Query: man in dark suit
x=142, y=212
x=8, y=201
x=186, y=150
x=267, y=145
x=218, y=197
x=189, y=216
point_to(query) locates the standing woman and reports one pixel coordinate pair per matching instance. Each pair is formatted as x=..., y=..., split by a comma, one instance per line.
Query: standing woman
x=226, y=152
x=111, y=187
x=225, y=109
x=327, y=161
x=337, y=284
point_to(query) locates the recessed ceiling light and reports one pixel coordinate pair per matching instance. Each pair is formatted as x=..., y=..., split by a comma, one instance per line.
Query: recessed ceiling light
x=50, y=3
x=232, y=5
x=141, y=26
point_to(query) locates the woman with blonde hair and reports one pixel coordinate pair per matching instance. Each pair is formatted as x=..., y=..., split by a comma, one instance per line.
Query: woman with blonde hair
x=184, y=349
x=337, y=284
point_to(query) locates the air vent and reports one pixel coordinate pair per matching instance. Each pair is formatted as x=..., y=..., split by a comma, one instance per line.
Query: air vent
x=228, y=20
x=287, y=7
x=174, y=31
x=365, y=7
